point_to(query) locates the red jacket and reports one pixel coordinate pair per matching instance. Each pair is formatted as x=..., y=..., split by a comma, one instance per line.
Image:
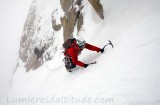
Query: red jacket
x=74, y=51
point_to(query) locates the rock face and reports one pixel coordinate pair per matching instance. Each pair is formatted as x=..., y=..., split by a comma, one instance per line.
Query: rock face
x=68, y=23
x=80, y=22
x=35, y=35
x=25, y=52
x=66, y=4
x=54, y=23
x=72, y=15
x=97, y=7
x=55, y=26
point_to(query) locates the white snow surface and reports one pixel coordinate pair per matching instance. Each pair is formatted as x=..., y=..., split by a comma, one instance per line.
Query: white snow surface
x=13, y=14
x=127, y=74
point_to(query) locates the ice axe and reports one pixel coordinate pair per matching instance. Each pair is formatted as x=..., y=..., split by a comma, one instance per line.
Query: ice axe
x=110, y=43
x=92, y=63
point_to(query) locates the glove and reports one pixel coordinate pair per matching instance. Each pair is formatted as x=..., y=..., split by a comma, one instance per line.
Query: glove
x=101, y=50
x=85, y=65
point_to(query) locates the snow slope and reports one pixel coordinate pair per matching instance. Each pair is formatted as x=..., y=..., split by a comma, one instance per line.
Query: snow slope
x=13, y=14
x=125, y=75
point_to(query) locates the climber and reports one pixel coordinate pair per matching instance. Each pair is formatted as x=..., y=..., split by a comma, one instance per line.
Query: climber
x=73, y=48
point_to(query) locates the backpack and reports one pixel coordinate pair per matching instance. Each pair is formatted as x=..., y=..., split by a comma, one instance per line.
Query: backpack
x=67, y=59
x=68, y=43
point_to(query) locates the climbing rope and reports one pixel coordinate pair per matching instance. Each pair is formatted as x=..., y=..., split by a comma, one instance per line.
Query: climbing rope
x=53, y=69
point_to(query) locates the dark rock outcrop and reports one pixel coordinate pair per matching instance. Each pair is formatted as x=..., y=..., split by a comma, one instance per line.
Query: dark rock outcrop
x=55, y=26
x=80, y=22
x=54, y=23
x=68, y=23
x=97, y=7
x=66, y=4
x=71, y=16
